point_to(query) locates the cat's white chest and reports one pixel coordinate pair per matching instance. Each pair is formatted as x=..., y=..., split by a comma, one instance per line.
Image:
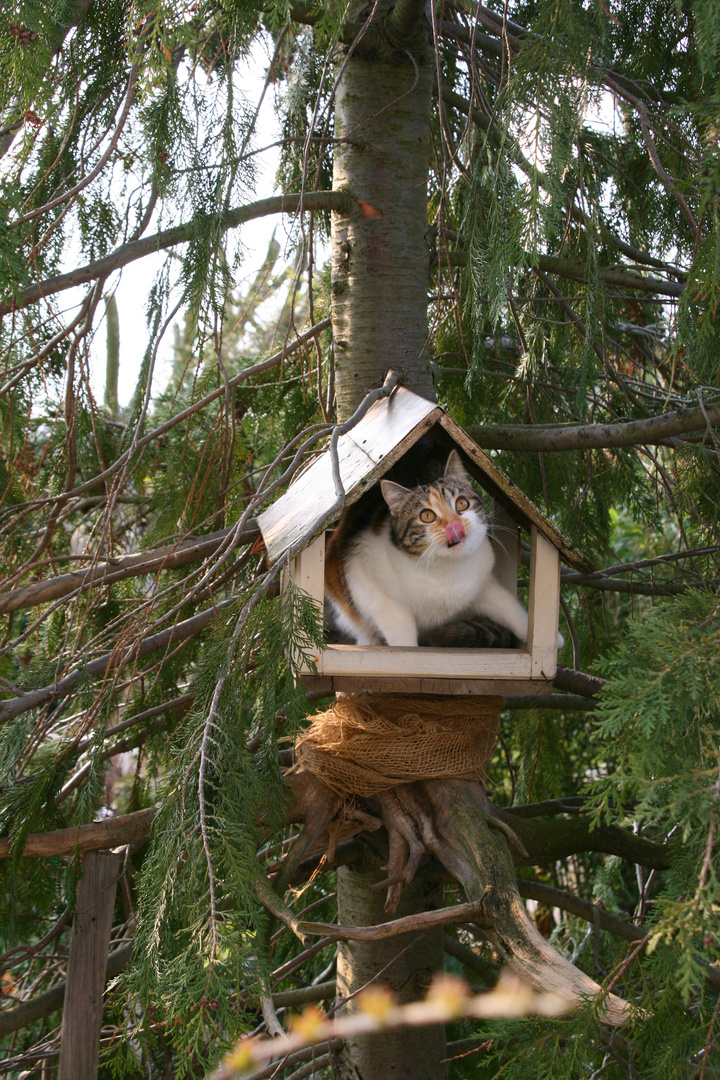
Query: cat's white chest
x=386, y=583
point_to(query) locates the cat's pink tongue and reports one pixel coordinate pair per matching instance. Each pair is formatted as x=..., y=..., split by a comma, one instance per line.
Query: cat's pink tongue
x=455, y=532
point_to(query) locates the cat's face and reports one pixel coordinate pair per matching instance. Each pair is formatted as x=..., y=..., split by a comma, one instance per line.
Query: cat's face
x=443, y=519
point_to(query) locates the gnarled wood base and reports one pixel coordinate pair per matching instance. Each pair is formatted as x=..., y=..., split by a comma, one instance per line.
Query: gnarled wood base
x=453, y=821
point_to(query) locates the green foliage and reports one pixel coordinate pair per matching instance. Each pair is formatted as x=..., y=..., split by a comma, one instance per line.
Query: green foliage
x=592, y=147
x=660, y=714
x=199, y=915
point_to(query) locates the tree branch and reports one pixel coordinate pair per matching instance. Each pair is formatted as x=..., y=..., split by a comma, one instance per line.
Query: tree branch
x=551, y=437
x=404, y=20
x=578, y=271
x=547, y=840
x=604, y=920
x=242, y=376
x=577, y=682
x=181, y=631
x=339, y=201
x=52, y=1000
x=575, y=702
x=424, y=921
x=153, y=560
x=109, y=833
x=583, y=909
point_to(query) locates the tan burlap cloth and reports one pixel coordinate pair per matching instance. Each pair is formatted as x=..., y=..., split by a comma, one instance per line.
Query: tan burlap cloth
x=367, y=743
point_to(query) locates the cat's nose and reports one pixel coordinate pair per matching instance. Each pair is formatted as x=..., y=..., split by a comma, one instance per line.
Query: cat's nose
x=455, y=532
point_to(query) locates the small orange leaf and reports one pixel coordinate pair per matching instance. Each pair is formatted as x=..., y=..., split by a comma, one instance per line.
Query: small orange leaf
x=368, y=211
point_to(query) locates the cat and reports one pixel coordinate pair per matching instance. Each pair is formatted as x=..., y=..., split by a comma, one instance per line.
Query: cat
x=416, y=560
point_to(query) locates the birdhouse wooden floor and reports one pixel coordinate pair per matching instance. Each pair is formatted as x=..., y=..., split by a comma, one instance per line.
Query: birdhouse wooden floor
x=389, y=429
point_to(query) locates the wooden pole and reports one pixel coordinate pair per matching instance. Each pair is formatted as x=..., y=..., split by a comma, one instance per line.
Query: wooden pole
x=82, y=1015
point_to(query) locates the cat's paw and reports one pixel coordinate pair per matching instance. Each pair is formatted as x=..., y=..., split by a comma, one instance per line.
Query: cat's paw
x=561, y=641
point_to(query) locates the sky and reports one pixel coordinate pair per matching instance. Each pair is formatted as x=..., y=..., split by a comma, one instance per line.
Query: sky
x=133, y=284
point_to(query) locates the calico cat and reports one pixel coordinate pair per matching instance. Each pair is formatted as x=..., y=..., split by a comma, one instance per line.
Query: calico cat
x=416, y=561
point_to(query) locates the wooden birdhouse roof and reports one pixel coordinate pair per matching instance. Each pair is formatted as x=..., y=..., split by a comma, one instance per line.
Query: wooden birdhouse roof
x=386, y=432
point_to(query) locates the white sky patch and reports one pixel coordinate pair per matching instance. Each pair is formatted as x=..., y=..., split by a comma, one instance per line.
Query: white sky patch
x=132, y=285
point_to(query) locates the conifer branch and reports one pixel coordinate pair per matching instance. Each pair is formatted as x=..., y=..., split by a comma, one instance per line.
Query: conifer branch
x=578, y=271
x=153, y=560
x=341, y=202
x=559, y=437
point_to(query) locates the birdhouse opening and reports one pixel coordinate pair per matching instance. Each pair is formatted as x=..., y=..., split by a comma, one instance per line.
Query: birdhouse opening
x=419, y=539
x=472, y=651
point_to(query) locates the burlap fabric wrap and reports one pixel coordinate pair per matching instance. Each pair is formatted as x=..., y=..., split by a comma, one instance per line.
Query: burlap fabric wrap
x=367, y=743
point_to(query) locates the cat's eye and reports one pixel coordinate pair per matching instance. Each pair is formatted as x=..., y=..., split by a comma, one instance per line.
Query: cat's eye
x=461, y=504
x=427, y=516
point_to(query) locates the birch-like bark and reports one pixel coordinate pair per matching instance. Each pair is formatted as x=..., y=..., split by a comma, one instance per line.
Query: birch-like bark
x=381, y=264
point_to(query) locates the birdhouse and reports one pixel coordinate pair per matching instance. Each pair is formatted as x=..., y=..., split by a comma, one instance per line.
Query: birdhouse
x=365, y=454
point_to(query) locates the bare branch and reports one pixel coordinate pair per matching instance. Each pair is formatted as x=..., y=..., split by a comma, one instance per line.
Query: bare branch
x=52, y=1000
x=339, y=201
x=181, y=631
x=154, y=560
x=242, y=376
x=415, y=923
x=557, y=437
x=109, y=833
x=548, y=840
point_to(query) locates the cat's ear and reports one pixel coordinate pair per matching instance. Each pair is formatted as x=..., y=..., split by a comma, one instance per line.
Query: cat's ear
x=455, y=467
x=394, y=494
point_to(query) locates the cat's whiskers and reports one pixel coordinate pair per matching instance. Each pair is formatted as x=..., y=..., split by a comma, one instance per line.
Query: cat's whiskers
x=494, y=529
x=429, y=555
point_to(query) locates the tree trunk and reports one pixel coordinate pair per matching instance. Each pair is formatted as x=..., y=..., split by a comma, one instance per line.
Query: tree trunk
x=380, y=276
x=381, y=265
x=393, y=1054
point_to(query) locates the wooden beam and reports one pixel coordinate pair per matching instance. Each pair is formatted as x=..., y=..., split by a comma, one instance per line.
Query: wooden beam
x=544, y=605
x=87, y=962
x=110, y=833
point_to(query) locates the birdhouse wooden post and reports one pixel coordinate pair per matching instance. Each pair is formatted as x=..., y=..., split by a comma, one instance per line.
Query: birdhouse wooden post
x=388, y=430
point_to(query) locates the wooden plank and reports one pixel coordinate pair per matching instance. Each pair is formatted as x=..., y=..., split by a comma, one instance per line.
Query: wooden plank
x=388, y=421
x=369, y=660
x=312, y=495
x=308, y=569
x=356, y=684
x=506, y=545
x=544, y=605
x=308, y=573
x=87, y=962
x=390, y=427
x=502, y=488
x=127, y=829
